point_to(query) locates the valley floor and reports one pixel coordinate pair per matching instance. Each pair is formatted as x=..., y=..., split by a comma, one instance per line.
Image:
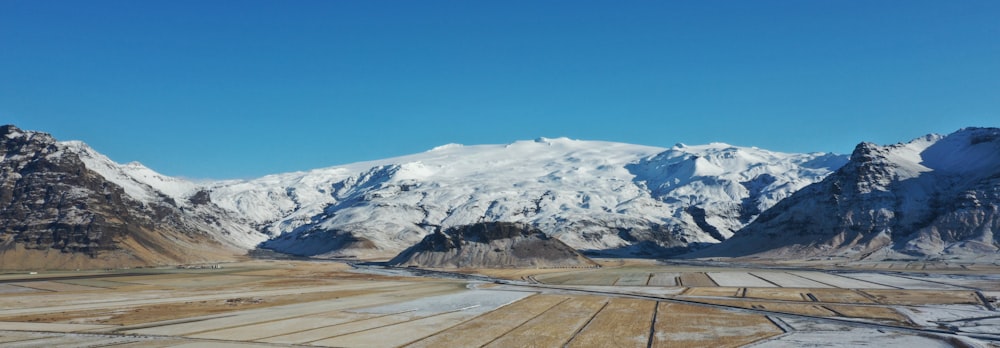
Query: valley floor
x=626, y=303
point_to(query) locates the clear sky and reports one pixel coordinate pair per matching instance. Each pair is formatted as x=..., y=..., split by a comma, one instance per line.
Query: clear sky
x=239, y=89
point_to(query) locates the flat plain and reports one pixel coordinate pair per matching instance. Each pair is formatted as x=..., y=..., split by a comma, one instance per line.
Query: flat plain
x=625, y=303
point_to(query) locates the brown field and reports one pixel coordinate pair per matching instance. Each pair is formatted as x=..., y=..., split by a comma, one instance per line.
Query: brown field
x=839, y=296
x=664, y=279
x=680, y=325
x=784, y=294
x=541, y=332
x=622, y=323
x=781, y=307
x=490, y=326
x=869, y=312
x=714, y=291
x=916, y=297
x=696, y=280
x=278, y=303
x=170, y=311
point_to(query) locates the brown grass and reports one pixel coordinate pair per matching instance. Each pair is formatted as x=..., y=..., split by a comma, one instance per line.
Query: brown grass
x=784, y=294
x=622, y=323
x=793, y=308
x=169, y=311
x=554, y=327
x=921, y=297
x=869, y=312
x=487, y=327
x=696, y=279
x=680, y=325
x=839, y=296
x=715, y=291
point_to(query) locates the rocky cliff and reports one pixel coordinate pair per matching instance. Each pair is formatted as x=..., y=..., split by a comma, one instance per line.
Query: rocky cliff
x=933, y=197
x=56, y=212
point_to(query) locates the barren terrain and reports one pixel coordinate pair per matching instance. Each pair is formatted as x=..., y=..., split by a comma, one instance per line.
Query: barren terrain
x=626, y=303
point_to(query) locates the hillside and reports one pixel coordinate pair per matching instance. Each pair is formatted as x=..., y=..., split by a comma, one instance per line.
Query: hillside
x=65, y=206
x=491, y=245
x=933, y=197
x=602, y=197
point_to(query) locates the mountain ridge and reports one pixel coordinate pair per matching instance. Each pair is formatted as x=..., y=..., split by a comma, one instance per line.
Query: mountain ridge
x=932, y=197
x=604, y=197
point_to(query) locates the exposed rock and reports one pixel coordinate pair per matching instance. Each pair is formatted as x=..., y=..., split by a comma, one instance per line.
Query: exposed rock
x=55, y=212
x=491, y=245
x=934, y=197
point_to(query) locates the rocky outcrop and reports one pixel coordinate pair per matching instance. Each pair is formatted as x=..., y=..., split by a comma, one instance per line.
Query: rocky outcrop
x=55, y=212
x=934, y=197
x=491, y=245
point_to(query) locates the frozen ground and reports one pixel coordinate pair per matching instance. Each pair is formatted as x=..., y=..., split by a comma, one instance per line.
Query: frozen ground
x=281, y=303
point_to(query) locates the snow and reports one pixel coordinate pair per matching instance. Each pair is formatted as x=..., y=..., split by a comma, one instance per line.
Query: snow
x=955, y=315
x=583, y=192
x=971, y=152
x=139, y=182
x=561, y=185
x=471, y=301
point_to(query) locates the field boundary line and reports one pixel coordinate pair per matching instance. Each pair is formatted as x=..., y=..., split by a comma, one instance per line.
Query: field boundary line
x=815, y=280
x=781, y=324
x=466, y=321
x=428, y=288
x=765, y=312
x=986, y=302
x=652, y=325
x=936, y=282
x=258, y=340
x=526, y=321
x=584, y=326
x=388, y=325
x=768, y=281
x=32, y=288
x=871, y=282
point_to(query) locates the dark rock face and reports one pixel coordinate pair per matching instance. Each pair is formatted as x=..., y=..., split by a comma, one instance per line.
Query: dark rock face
x=936, y=197
x=50, y=201
x=491, y=245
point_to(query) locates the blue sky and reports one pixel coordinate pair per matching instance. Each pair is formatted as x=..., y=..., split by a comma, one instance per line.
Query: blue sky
x=239, y=89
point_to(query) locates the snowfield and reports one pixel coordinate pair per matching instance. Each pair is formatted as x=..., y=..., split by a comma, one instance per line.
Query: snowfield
x=614, y=198
x=592, y=195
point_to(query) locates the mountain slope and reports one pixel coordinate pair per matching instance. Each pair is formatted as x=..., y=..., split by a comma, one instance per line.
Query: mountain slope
x=62, y=205
x=936, y=196
x=491, y=245
x=598, y=196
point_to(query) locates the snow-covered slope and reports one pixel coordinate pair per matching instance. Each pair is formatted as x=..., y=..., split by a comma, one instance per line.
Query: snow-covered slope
x=63, y=205
x=931, y=197
x=605, y=196
x=150, y=188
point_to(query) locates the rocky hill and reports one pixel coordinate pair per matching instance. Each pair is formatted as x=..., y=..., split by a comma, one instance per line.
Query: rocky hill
x=933, y=197
x=62, y=205
x=491, y=245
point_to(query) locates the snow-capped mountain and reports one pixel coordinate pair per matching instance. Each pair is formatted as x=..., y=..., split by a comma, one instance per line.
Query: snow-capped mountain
x=935, y=196
x=66, y=206
x=599, y=196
